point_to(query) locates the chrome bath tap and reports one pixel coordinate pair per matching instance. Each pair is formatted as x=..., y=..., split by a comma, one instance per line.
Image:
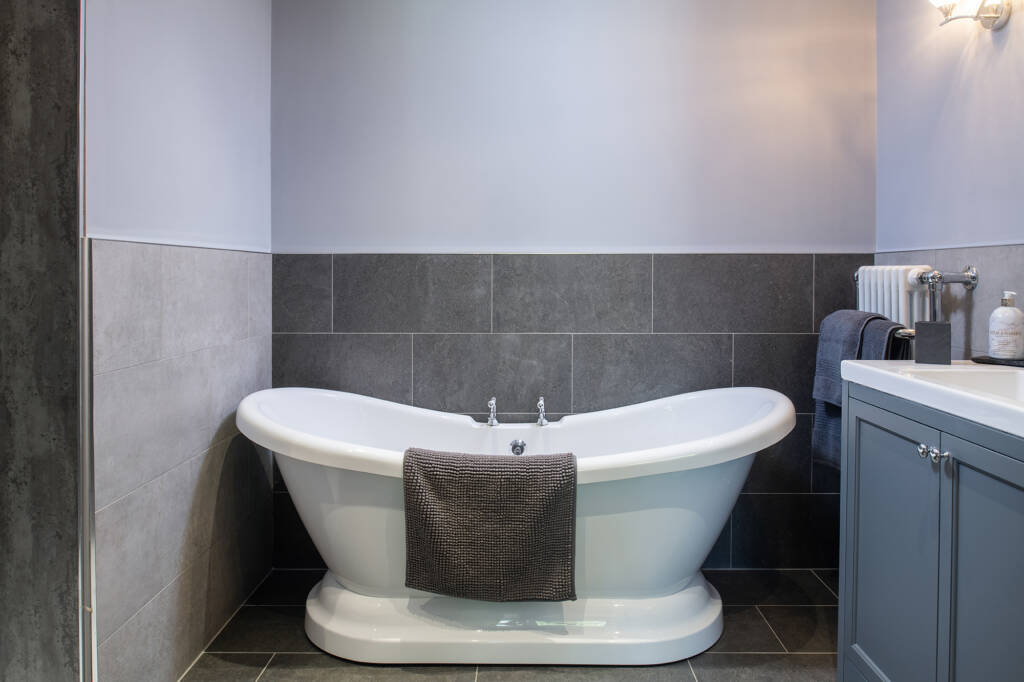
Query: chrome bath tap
x=542, y=420
x=492, y=405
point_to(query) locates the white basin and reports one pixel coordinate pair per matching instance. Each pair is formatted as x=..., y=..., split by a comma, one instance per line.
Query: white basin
x=992, y=395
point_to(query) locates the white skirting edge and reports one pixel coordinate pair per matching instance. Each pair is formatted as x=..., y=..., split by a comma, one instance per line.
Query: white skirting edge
x=590, y=631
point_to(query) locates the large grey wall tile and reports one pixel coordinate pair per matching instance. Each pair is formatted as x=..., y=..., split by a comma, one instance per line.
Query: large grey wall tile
x=128, y=291
x=148, y=537
x=834, y=288
x=732, y=293
x=786, y=466
x=785, y=531
x=460, y=372
x=149, y=418
x=301, y=292
x=924, y=257
x=610, y=370
x=378, y=365
x=205, y=298
x=39, y=95
x=260, y=293
x=160, y=641
x=999, y=268
x=783, y=362
x=293, y=548
x=572, y=293
x=412, y=293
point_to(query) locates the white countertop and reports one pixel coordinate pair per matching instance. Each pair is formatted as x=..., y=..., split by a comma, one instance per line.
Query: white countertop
x=992, y=395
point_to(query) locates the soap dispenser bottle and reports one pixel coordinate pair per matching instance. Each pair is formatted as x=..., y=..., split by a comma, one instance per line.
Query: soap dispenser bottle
x=1006, y=330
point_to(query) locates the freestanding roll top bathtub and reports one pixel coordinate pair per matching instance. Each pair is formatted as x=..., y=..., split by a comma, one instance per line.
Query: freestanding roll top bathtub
x=656, y=484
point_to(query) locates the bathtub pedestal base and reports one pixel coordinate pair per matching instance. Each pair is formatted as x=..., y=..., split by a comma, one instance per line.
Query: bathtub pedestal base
x=448, y=630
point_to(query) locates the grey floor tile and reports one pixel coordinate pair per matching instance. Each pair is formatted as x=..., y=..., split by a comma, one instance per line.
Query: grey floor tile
x=283, y=587
x=704, y=293
x=572, y=293
x=301, y=299
x=674, y=672
x=227, y=668
x=320, y=667
x=264, y=628
x=785, y=531
x=746, y=631
x=412, y=293
x=804, y=629
x=611, y=370
x=786, y=466
x=834, y=288
x=769, y=587
x=830, y=576
x=783, y=362
x=764, y=668
x=460, y=372
x=378, y=365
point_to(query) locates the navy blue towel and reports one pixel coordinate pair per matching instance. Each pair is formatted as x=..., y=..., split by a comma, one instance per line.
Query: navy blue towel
x=846, y=335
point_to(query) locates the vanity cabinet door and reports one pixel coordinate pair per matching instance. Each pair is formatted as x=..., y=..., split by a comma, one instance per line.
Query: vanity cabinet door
x=890, y=563
x=987, y=601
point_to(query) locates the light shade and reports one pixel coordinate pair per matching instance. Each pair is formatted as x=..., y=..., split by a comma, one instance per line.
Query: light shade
x=993, y=14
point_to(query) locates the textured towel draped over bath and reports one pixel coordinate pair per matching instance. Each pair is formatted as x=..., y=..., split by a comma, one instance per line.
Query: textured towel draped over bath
x=846, y=335
x=490, y=527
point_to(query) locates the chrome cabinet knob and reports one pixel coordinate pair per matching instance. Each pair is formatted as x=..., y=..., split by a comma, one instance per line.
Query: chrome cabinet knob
x=937, y=456
x=922, y=450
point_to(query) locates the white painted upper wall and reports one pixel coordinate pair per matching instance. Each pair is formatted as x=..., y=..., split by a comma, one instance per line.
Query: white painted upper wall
x=950, y=147
x=178, y=122
x=579, y=125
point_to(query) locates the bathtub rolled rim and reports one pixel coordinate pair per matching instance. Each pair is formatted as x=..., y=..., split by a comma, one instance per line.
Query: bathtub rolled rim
x=744, y=440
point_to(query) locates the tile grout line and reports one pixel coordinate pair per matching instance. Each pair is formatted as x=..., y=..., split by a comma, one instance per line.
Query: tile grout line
x=822, y=581
x=412, y=369
x=219, y=630
x=652, y=293
x=265, y=667
x=492, y=293
x=476, y=674
x=765, y=618
x=572, y=373
x=693, y=672
x=332, y=293
x=190, y=459
x=523, y=333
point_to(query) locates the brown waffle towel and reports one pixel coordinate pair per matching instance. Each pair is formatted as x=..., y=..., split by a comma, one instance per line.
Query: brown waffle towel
x=491, y=527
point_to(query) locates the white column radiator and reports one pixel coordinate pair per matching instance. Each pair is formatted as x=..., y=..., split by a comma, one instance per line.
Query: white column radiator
x=895, y=291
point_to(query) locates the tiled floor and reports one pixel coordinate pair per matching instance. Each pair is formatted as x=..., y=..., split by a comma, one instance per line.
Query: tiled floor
x=779, y=625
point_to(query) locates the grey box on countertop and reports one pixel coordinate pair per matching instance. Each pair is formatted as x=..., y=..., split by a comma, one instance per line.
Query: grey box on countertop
x=933, y=343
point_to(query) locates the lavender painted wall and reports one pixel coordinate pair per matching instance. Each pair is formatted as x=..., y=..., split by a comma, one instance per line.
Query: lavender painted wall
x=178, y=122
x=950, y=102
x=578, y=126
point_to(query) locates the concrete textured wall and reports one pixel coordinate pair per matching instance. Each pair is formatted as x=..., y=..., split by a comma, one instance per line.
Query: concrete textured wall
x=39, y=44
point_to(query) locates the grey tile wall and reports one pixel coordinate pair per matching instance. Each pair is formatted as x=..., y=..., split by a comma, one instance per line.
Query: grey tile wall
x=39, y=339
x=999, y=268
x=588, y=332
x=184, y=503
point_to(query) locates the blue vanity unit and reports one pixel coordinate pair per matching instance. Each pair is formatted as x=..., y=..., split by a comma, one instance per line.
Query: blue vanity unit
x=932, y=558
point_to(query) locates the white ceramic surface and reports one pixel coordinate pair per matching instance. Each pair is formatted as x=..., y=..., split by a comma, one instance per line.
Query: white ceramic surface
x=991, y=395
x=657, y=483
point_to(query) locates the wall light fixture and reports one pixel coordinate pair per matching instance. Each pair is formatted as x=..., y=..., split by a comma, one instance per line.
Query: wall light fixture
x=993, y=14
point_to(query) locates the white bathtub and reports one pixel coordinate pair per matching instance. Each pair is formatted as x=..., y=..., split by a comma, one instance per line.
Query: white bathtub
x=657, y=482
